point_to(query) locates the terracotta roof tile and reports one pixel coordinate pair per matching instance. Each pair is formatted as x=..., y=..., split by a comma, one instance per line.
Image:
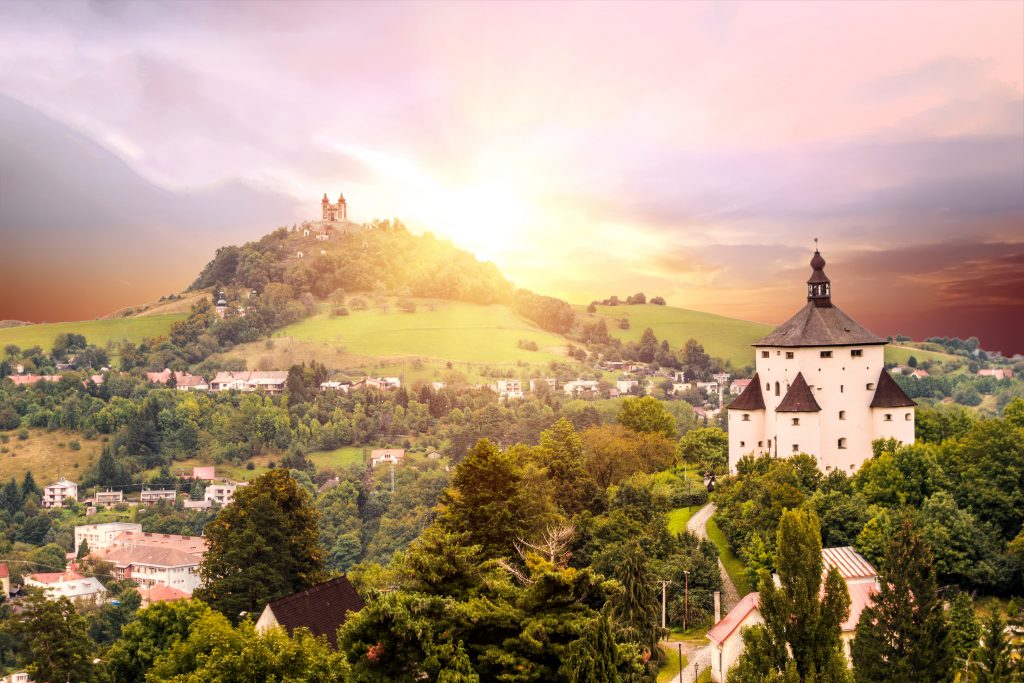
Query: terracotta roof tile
x=888, y=394
x=798, y=398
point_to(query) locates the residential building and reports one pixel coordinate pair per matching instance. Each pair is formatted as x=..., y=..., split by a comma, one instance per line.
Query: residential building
x=998, y=373
x=508, y=388
x=322, y=609
x=101, y=536
x=378, y=383
x=68, y=584
x=57, y=494
x=581, y=387
x=820, y=388
x=23, y=380
x=109, y=497
x=202, y=473
x=158, y=592
x=183, y=381
x=624, y=385
x=222, y=494
x=152, y=496
x=268, y=381
x=150, y=559
x=738, y=385
x=336, y=386
x=386, y=456
x=726, y=638
x=20, y=677
x=190, y=504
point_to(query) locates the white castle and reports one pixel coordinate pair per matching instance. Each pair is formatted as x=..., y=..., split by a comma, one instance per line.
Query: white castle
x=820, y=388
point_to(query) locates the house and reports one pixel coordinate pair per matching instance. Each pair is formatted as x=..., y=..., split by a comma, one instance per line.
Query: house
x=386, y=456
x=158, y=592
x=190, y=504
x=580, y=387
x=624, y=385
x=322, y=609
x=20, y=677
x=101, y=536
x=24, y=380
x=738, y=385
x=998, y=373
x=183, y=381
x=109, y=497
x=5, y=580
x=223, y=494
x=508, y=388
x=337, y=386
x=202, y=473
x=150, y=559
x=60, y=492
x=433, y=455
x=153, y=496
x=535, y=383
x=268, y=381
x=438, y=386
x=918, y=373
x=378, y=383
x=726, y=636
x=68, y=584
x=820, y=388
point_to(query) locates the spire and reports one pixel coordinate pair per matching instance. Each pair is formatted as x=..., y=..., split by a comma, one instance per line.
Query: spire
x=819, y=287
x=325, y=200
x=341, y=198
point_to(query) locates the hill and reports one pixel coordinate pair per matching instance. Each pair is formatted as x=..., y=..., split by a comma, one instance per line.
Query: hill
x=97, y=332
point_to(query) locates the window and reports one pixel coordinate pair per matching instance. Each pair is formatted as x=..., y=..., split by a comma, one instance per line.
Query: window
x=796, y=448
x=888, y=417
x=826, y=354
x=789, y=355
x=760, y=444
x=857, y=353
x=842, y=442
x=871, y=386
x=764, y=354
x=776, y=388
x=842, y=414
x=908, y=417
x=767, y=386
x=746, y=417
x=840, y=388
x=742, y=444
x=796, y=421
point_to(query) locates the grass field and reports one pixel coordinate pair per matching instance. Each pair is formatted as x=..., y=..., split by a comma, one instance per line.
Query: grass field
x=733, y=566
x=97, y=332
x=338, y=459
x=900, y=354
x=43, y=454
x=722, y=337
x=670, y=667
x=678, y=518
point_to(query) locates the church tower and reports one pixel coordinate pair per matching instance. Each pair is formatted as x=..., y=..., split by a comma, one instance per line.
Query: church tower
x=820, y=388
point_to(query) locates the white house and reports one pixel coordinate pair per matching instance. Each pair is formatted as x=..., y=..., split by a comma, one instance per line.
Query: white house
x=738, y=385
x=151, y=559
x=508, y=388
x=820, y=388
x=268, y=381
x=386, y=456
x=101, y=536
x=579, y=387
x=152, y=496
x=69, y=584
x=726, y=637
x=624, y=385
x=55, y=495
x=224, y=493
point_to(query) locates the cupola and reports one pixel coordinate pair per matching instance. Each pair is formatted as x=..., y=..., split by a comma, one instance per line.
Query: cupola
x=819, y=287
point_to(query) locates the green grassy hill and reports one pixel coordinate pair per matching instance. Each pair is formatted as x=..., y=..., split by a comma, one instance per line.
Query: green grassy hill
x=97, y=332
x=727, y=338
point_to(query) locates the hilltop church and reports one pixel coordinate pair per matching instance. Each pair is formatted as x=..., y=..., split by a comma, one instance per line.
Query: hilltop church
x=820, y=388
x=334, y=213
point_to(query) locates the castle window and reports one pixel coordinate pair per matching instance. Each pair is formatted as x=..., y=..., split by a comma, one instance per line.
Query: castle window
x=742, y=444
x=764, y=354
x=908, y=417
x=888, y=417
x=871, y=386
x=760, y=444
x=796, y=421
x=796, y=448
x=842, y=442
x=767, y=386
x=746, y=417
x=840, y=388
x=826, y=354
x=776, y=388
x=789, y=355
x=842, y=414
x=857, y=353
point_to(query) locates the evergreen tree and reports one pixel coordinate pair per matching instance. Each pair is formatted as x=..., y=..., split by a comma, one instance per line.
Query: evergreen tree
x=29, y=488
x=56, y=640
x=992, y=662
x=10, y=497
x=263, y=546
x=799, y=620
x=965, y=631
x=592, y=658
x=903, y=635
x=636, y=608
x=83, y=550
x=561, y=452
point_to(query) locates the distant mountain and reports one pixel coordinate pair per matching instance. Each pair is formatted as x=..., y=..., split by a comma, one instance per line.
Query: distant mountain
x=87, y=234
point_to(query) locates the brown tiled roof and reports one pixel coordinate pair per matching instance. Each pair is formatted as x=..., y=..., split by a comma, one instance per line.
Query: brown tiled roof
x=798, y=398
x=322, y=609
x=889, y=395
x=751, y=397
x=819, y=326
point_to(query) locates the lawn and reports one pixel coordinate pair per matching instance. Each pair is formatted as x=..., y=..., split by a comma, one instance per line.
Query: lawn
x=678, y=518
x=669, y=670
x=446, y=330
x=733, y=566
x=48, y=455
x=901, y=354
x=97, y=332
x=240, y=472
x=722, y=337
x=338, y=459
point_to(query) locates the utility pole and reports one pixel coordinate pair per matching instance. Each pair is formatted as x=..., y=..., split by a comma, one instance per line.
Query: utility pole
x=392, y=477
x=664, y=584
x=686, y=598
x=680, y=645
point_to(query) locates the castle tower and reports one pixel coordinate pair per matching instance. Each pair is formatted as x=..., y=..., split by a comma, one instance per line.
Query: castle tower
x=334, y=212
x=342, y=208
x=820, y=388
x=325, y=204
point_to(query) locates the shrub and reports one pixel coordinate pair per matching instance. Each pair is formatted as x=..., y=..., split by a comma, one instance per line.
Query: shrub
x=527, y=344
x=250, y=465
x=358, y=303
x=624, y=324
x=658, y=301
x=407, y=306
x=75, y=445
x=339, y=312
x=23, y=434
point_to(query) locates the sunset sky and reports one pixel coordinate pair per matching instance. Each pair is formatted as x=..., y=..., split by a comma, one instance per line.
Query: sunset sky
x=689, y=150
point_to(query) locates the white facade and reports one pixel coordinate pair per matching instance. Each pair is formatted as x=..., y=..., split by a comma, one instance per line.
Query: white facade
x=386, y=456
x=151, y=496
x=70, y=585
x=222, y=494
x=101, y=536
x=508, y=388
x=55, y=495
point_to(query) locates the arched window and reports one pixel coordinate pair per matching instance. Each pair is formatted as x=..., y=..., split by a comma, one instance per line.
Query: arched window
x=842, y=442
x=908, y=417
x=776, y=388
x=888, y=417
x=842, y=414
x=746, y=417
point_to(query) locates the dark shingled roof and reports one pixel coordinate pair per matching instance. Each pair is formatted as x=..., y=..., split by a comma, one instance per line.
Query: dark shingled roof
x=322, y=609
x=819, y=326
x=888, y=394
x=750, y=399
x=799, y=398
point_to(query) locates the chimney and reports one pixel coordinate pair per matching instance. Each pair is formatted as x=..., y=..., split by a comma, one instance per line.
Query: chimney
x=718, y=606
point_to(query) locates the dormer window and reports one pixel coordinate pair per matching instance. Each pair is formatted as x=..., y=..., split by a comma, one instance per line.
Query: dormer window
x=826, y=354
x=857, y=353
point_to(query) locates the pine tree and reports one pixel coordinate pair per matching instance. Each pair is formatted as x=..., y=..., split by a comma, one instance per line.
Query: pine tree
x=965, y=631
x=592, y=658
x=992, y=662
x=636, y=609
x=10, y=497
x=800, y=621
x=83, y=550
x=29, y=488
x=903, y=635
x=56, y=639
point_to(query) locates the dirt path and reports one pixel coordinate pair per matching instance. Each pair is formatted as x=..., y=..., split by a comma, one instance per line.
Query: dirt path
x=698, y=525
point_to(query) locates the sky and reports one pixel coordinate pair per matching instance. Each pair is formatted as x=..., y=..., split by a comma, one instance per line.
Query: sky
x=688, y=150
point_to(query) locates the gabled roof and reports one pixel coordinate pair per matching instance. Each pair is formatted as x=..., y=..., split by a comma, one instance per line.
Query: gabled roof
x=160, y=592
x=751, y=398
x=888, y=394
x=322, y=609
x=819, y=326
x=721, y=631
x=798, y=398
x=861, y=595
x=850, y=563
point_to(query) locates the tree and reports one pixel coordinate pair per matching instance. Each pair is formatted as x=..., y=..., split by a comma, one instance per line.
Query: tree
x=965, y=631
x=707, y=447
x=485, y=500
x=903, y=635
x=992, y=664
x=152, y=633
x=647, y=414
x=56, y=640
x=263, y=546
x=592, y=658
x=29, y=488
x=636, y=608
x=799, y=620
x=561, y=453
x=695, y=360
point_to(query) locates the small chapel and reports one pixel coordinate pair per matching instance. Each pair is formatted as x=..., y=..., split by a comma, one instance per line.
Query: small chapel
x=334, y=213
x=820, y=387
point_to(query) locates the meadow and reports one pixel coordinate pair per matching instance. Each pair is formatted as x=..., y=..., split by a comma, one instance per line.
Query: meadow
x=97, y=332
x=48, y=455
